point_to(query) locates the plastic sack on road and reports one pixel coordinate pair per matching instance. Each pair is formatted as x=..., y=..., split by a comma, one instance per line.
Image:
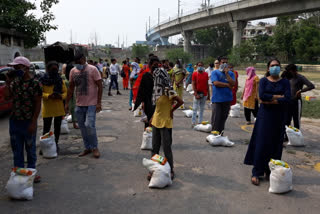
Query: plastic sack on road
x=147, y=140
x=235, y=110
x=21, y=186
x=138, y=112
x=161, y=176
x=295, y=136
x=189, y=88
x=69, y=118
x=64, y=127
x=188, y=113
x=218, y=140
x=281, y=177
x=203, y=128
x=48, y=146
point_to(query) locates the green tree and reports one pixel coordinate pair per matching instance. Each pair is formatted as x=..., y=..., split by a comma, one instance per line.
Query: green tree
x=219, y=38
x=140, y=51
x=243, y=53
x=16, y=14
x=175, y=54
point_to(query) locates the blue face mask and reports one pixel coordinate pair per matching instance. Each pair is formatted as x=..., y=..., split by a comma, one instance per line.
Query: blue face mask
x=200, y=69
x=79, y=67
x=275, y=71
x=19, y=73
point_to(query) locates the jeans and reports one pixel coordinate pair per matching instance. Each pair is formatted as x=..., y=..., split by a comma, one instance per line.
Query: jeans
x=114, y=80
x=130, y=98
x=20, y=138
x=196, y=103
x=162, y=137
x=220, y=112
x=86, y=116
x=57, y=126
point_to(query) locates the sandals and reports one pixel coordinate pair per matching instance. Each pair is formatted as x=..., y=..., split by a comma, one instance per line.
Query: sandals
x=37, y=179
x=255, y=180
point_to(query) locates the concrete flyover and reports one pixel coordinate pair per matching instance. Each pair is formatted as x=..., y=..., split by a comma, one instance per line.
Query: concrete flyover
x=236, y=14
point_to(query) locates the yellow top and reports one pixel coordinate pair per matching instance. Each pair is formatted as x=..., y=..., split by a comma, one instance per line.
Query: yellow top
x=250, y=102
x=161, y=116
x=53, y=107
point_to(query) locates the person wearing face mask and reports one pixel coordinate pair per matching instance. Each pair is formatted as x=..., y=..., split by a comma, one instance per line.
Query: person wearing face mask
x=223, y=81
x=297, y=82
x=54, y=92
x=179, y=74
x=86, y=81
x=26, y=93
x=144, y=96
x=190, y=71
x=268, y=133
x=200, y=87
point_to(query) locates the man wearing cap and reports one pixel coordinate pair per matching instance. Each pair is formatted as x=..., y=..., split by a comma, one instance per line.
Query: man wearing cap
x=26, y=95
x=87, y=82
x=223, y=81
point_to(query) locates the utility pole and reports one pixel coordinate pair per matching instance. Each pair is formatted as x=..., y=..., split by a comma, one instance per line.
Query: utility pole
x=71, y=37
x=149, y=23
x=158, y=16
x=146, y=27
x=118, y=41
x=179, y=4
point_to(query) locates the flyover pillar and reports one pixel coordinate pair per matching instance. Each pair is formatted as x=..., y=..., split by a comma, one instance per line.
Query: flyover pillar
x=237, y=28
x=164, y=40
x=187, y=36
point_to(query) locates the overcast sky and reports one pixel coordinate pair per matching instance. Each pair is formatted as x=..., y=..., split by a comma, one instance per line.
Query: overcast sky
x=112, y=18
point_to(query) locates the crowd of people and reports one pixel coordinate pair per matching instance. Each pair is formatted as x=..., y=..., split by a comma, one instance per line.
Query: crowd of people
x=157, y=87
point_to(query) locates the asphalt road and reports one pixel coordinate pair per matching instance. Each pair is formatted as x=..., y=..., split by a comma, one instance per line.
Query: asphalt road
x=208, y=179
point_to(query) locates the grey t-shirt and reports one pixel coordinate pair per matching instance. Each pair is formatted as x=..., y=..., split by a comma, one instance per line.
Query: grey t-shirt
x=297, y=84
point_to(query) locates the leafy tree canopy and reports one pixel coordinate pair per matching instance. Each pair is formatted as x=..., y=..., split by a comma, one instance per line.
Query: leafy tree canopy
x=175, y=54
x=17, y=14
x=140, y=51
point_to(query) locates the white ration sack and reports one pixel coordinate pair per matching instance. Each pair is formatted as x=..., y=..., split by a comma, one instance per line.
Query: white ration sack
x=188, y=113
x=138, y=112
x=146, y=141
x=235, y=110
x=189, y=88
x=21, y=187
x=161, y=176
x=191, y=92
x=218, y=140
x=48, y=147
x=295, y=138
x=69, y=118
x=280, y=179
x=203, y=128
x=64, y=127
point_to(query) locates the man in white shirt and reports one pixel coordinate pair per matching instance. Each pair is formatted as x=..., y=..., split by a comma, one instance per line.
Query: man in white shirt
x=114, y=72
x=209, y=71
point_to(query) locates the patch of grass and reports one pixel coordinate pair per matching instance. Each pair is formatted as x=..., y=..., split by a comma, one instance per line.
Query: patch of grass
x=311, y=109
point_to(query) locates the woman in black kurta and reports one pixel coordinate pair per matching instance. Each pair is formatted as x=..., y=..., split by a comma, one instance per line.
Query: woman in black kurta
x=267, y=137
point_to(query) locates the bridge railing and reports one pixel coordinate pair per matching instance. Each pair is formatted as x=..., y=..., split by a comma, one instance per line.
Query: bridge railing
x=190, y=12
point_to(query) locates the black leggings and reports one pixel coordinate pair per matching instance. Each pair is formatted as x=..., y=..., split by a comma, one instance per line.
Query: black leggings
x=247, y=111
x=114, y=80
x=57, y=126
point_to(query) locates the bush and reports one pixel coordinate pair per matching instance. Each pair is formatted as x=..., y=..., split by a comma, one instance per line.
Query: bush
x=178, y=53
x=140, y=51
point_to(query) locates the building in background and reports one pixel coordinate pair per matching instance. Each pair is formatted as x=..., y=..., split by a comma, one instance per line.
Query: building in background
x=11, y=45
x=252, y=31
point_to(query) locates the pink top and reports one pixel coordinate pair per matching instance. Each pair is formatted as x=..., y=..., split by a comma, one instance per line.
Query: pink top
x=251, y=73
x=85, y=82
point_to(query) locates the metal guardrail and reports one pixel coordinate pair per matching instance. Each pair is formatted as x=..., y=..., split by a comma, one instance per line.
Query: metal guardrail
x=213, y=5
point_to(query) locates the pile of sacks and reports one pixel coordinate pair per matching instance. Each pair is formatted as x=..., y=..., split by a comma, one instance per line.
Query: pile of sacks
x=235, y=110
x=161, y=171
x=48, y=145
x=281, y=177
x=20, y=183
x=219, y=140
x=203, y=127
x=295, y=136
x=147, y=139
